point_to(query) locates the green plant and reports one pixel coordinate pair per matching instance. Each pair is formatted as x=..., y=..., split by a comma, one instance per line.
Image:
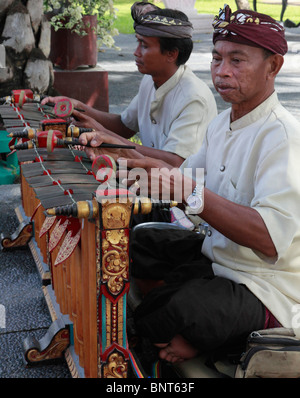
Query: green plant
x=69, y=14
x=124, y=22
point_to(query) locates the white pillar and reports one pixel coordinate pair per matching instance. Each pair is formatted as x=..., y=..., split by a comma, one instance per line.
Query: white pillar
x=202, y=23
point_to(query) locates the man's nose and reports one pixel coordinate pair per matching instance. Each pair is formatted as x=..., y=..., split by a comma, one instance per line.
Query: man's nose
x=224, y=68
x=137, y=51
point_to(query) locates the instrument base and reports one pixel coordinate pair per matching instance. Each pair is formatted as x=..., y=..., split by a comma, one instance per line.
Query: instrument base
x=19, y=239
x=50, y=347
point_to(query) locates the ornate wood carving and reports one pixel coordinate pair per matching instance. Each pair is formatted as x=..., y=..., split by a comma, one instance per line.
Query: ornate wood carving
x=19, y=239
x=50, y=347
x=113, y=284
x=115, y=366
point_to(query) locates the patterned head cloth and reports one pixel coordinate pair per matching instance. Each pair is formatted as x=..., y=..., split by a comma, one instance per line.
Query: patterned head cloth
x=147, y=24
x=251, y=28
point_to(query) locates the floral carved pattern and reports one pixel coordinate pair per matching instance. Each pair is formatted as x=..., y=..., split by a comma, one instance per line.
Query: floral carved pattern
x=116, y=366
x=54, y=350
x=115, y=241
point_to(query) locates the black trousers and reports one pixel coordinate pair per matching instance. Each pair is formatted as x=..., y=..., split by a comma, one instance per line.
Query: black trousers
x=209, y=311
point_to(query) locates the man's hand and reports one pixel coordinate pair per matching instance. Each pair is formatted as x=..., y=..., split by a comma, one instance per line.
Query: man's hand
x=55, y=100
x=83, y=120
x=96, y=138
x=155, y=178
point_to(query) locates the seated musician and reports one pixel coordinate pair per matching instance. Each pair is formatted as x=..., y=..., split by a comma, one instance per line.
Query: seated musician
x=173, y=106
x=246, y=276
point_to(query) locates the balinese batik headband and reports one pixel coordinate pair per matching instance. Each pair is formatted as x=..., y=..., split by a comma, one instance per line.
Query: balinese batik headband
x=147, y=24
x=251, y=28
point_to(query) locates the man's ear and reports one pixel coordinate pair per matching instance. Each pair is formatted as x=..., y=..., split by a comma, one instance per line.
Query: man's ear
x=276, y=62
x=173, y=55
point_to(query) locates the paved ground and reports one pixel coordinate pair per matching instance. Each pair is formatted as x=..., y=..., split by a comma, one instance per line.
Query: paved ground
x=21, y=296
x=23, y=310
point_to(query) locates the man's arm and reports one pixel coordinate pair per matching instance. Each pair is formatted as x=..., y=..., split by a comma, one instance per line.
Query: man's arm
x=112, y=125
x=96, y=138
x=110, y=121
x=168, y=157
x=243, y=225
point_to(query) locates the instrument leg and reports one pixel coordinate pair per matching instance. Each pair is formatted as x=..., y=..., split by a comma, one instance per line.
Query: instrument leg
x=19, y=239
x=50, y=347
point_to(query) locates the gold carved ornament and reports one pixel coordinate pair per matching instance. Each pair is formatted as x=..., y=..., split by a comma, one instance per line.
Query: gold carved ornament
x=115, y=367
x=55, y=349
x=115, y=259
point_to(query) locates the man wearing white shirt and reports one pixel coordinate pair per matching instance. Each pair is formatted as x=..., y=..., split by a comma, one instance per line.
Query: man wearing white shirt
x=173, y=106
x=246, y=276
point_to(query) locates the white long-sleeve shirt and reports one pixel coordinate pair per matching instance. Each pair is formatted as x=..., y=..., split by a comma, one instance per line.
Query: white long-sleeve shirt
x=255, y=161
x=173, y=117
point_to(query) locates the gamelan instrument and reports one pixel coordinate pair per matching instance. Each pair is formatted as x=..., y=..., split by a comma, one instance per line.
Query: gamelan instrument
x=63, y=108
x=78, y=228
x=54, y=139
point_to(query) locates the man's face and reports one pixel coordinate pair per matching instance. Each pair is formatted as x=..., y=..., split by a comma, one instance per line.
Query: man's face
x=148, y=56
x=240, y=73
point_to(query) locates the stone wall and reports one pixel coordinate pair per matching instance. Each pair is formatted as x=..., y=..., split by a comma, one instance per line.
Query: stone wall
x=25, y=39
